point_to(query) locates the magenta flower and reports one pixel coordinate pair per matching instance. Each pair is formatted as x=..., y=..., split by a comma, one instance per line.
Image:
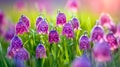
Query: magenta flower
x=75, y=23
x=97, y=33
x=82, y=61
x=21, y=28
x=25, y=20
x=68, y=30
x=61, y=19
x=73, y=5
x=53, y=36
x=42, y=27
x=84, y=42
x=113, y=28
x=38, y=20
x=40, y=51
x=105, y=19
x=112, y=40
x=16, y=42
x=101, y=52
x=22, y=54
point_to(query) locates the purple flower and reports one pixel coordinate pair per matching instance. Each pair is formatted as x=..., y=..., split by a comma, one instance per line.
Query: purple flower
x=61, y=19
x=21, y=28
x=38, y=20
x=22, y=54
x=25, y=20
x=42, y=27
x=40, y=51
x=68, y=30
x=11, y=52
x=84, y=42
x=9, y=34
x=101, y=51
x=75, y=23
x=53, y=36
x=82, y=61
x=97, y=33
x=112, y=40
x=16, y=42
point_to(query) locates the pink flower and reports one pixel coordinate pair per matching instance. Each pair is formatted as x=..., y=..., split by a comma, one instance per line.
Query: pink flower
x=112, y=40
x=73, y=5
x=101, y=52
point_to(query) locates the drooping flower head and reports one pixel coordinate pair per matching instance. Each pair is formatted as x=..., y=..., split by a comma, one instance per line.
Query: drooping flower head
x=68, y=30
x=105, y=19
x=112, y=40
x=38, y=20
x=21, y=27
x=22, y=54
x=40, y=51
x=42, y=27
x=61, y=19
x=113, y=28
x=97, y=33
x=25, y=20
x=82, y=61
x=101, y=52
x=53, y=36
x=10, y=32
x=73, y=5
x=84, y=42
x=75, y=23
x=16, y=42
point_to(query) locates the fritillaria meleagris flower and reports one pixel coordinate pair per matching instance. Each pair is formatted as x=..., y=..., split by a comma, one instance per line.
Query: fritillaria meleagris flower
x=101, y=52
x=75, y=23
x=9, y=34
x=53, y=36
x=40, y=51
x=105, y=19
x=42, y=27
x=21, y=27
x=38, y=20
x=16, y=42
x=97, y=33
x=22, y=54
x=73, y=5
x=82, y=61
x=61, y=19
x=25, y=20
x=84, y=42
x=68, y=30
x=113, y=28
x=11, y=52
x=112, y=40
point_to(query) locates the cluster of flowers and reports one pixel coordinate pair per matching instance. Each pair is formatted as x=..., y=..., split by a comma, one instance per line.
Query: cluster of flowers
x=104, y=44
